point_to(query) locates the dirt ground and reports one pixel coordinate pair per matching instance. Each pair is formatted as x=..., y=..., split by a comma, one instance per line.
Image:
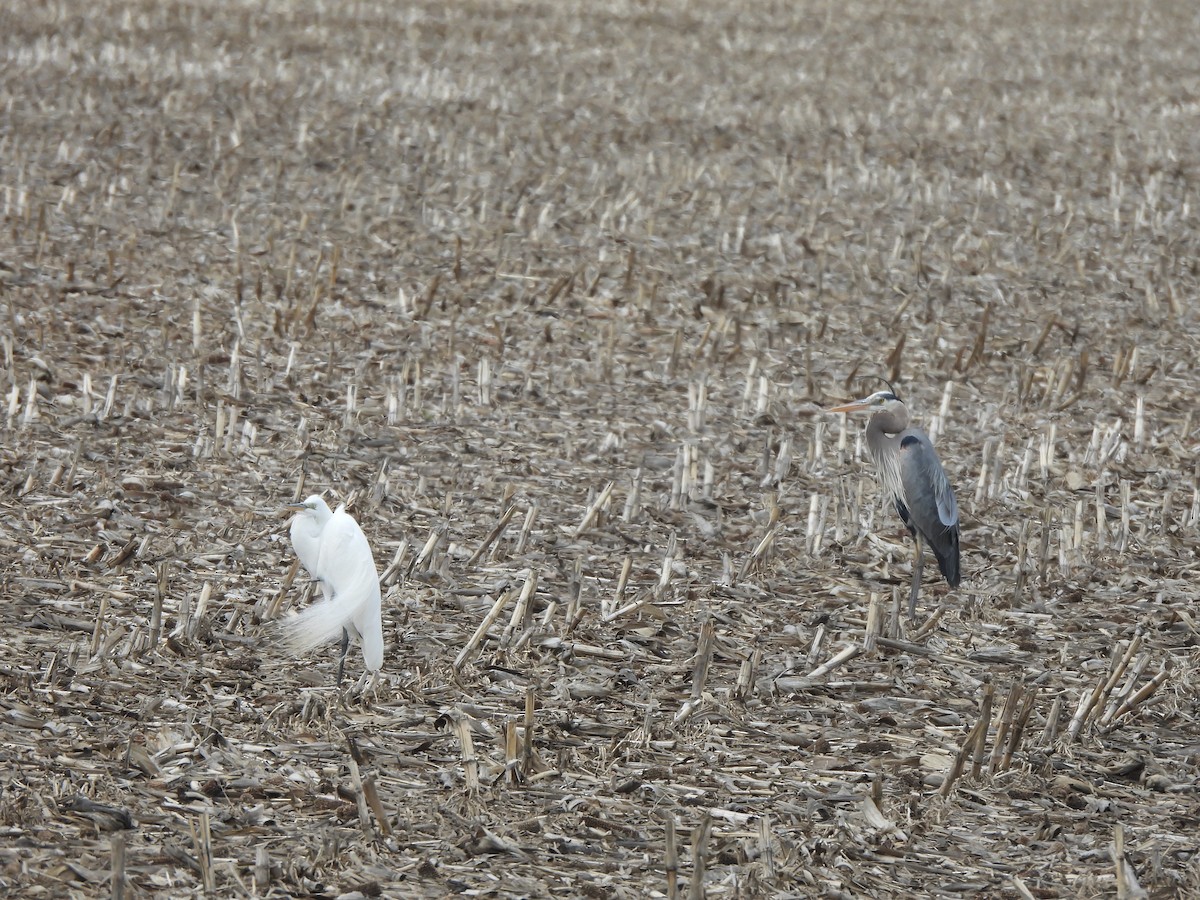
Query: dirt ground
x=554, y=295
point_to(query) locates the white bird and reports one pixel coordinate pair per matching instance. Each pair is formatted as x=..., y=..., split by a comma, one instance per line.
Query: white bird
x=334, y=550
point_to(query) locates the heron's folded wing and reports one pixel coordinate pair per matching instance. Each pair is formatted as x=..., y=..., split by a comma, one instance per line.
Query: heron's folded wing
x=926, y=486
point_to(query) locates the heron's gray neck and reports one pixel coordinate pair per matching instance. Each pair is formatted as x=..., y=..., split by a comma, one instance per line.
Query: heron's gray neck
x=883, y=443
x=890, y=421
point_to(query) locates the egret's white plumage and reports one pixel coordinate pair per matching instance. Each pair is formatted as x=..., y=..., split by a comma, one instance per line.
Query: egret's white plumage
x=334, y=550
x=312, y=516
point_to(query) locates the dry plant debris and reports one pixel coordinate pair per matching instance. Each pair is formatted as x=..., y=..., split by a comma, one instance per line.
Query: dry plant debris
x=553, y=294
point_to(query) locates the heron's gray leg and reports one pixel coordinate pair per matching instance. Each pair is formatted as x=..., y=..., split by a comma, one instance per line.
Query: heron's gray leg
x=342, y=658
x=918, y=564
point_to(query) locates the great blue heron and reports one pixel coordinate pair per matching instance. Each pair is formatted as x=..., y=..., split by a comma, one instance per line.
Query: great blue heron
x=911, y=474
x=334, y=550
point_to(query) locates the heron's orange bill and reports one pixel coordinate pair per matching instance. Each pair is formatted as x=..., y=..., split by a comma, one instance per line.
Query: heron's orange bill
x=850, y=407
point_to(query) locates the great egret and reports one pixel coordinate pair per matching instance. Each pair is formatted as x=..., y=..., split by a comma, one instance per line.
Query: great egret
x=334, y=550
x=913, y=477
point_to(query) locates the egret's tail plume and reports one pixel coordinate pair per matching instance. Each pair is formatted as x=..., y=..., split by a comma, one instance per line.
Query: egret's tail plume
x=355, y=611
x=320, y=623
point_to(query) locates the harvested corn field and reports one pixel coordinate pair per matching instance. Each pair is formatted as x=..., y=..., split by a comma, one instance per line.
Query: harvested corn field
x=554, y=296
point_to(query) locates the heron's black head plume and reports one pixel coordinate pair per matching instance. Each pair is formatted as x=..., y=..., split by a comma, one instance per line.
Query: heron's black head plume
x=889, y=386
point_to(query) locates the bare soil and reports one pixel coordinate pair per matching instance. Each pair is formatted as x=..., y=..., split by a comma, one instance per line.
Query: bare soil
x=554, y=295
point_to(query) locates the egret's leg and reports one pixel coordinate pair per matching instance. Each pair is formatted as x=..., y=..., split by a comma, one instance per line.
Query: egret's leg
x=342, y=658
x=918, y=564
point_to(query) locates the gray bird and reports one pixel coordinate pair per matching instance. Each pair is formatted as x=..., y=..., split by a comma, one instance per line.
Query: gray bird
x=911, y=474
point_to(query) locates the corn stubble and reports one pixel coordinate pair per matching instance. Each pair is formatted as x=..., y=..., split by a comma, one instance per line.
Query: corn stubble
x=557, y=296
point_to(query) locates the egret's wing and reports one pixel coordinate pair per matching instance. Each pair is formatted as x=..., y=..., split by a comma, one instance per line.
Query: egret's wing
x=345, y=559
x=369, y=624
